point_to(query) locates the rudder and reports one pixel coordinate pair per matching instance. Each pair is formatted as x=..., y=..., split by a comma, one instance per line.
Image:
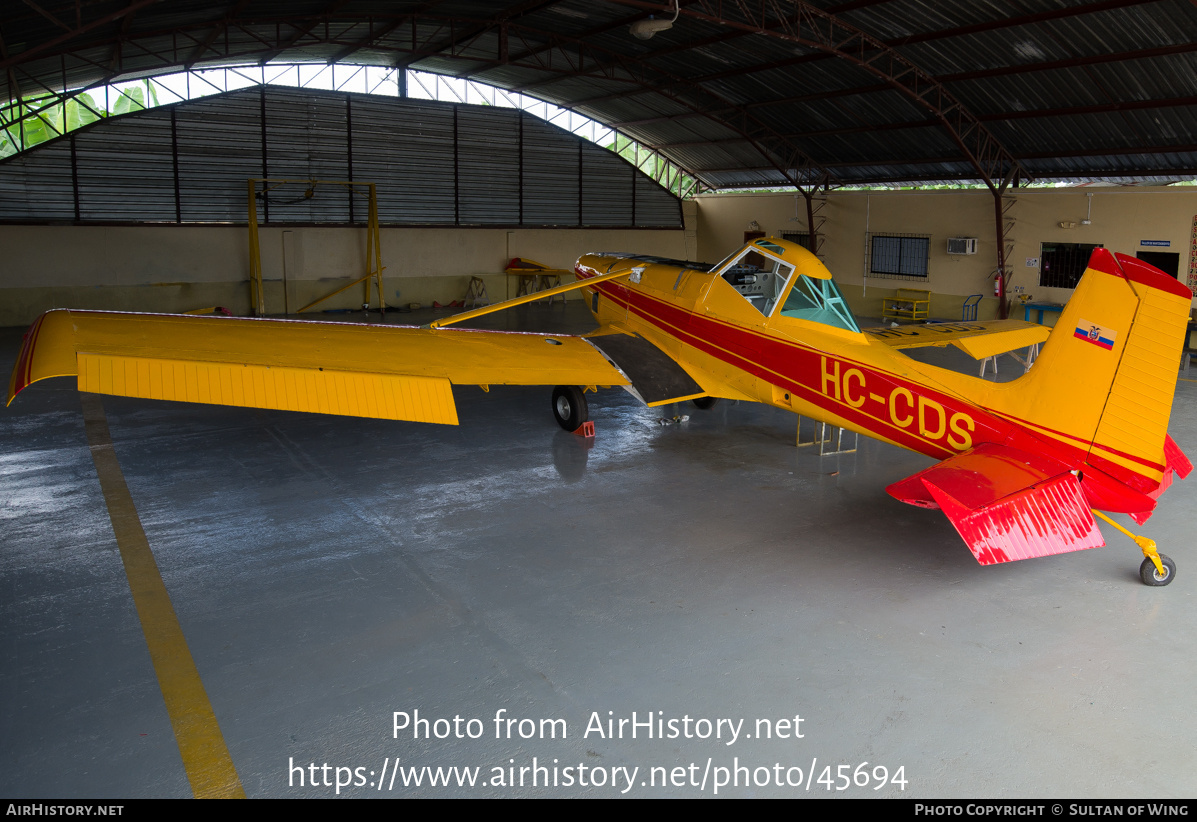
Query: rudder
x=1107, y=374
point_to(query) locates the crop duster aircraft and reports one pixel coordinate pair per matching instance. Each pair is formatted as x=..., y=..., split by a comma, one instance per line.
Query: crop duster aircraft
x=1023, y=466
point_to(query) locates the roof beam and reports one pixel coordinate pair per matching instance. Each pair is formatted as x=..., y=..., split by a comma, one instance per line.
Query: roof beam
x=784, y=154
x=719, y=38
x=579, y=58
x=805, y=24
x=628, y=21
x=374, y=35
x=1103, y=108
x=915, y=179
x=993, y=25
x=217, y=30
x=997, y=117
x=114, y=59
x=1071, y=62
x=14, y=88
x=1023, y=20
x=479, y=28
x=926, y=161
x=302, y=30
x=33, y=51
x=872, y=88
x=47, y=15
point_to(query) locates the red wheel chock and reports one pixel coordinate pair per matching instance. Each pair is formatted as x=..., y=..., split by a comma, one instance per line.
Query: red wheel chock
x=586, y=429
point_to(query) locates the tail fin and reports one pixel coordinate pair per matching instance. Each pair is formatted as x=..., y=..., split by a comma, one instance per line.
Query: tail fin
x=1107, y=374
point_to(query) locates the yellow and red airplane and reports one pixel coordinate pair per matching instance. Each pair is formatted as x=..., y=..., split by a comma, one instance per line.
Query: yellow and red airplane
x=1023, y=466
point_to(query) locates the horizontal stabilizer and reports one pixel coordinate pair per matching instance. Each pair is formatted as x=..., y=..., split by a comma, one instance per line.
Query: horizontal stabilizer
x=977, y=339
x=1006, y=504
x=1175, y=463
x=990, y=345
x=1175, y=459
x=978, y=477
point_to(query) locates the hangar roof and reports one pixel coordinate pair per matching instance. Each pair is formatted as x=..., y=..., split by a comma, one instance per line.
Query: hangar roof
x=746, y=94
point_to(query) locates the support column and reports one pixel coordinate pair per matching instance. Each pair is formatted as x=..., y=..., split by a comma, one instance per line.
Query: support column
x=1003, y=222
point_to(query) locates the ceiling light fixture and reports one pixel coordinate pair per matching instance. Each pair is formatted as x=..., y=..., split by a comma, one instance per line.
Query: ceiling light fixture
x=645, y=29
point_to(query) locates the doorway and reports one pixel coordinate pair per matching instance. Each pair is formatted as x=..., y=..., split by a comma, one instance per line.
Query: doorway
x=1167, y=262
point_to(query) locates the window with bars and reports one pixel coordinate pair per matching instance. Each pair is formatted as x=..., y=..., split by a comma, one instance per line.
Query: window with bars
x=899, y=256
x=1062, y=264
x=801, y=238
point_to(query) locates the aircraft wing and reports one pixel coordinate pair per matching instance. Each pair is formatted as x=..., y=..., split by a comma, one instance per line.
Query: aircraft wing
x=1007, y=504
x=977, y=339
x=387, y=372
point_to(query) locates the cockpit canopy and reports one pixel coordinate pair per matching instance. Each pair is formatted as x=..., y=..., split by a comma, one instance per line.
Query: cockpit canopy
x=783, y=279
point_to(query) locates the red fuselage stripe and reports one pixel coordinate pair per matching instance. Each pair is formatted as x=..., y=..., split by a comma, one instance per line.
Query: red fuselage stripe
x=784, y=363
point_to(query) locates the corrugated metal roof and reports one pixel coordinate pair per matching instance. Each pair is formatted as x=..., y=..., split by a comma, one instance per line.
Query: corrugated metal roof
x=1053, y=81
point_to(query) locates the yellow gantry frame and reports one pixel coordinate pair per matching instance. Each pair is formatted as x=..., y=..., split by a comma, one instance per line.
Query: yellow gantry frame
x=374, y=266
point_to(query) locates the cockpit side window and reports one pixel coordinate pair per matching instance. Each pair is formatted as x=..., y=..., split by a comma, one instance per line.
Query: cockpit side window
x=819, y=301
x=758, y=278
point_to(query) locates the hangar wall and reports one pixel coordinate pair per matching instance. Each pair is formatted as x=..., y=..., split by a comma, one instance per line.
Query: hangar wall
x=181, y=268
x=1122, y=219
x=147, y=211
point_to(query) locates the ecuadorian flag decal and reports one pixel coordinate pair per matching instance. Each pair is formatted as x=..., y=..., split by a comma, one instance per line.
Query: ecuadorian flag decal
x=1099, y=335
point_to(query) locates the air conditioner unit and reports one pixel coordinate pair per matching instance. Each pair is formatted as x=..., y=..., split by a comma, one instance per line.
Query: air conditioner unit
x=962, y=245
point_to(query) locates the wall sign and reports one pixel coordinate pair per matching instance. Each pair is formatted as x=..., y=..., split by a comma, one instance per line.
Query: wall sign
x=1193, y=258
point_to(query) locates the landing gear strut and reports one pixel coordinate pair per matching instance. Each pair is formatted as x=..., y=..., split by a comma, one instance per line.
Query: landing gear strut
x=1157, y=569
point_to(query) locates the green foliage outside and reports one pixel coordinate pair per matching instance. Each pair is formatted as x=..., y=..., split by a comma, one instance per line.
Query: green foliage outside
x=61, y=118
x=676, y=181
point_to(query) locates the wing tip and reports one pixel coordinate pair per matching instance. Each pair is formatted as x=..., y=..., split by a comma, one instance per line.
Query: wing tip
x=22, y=372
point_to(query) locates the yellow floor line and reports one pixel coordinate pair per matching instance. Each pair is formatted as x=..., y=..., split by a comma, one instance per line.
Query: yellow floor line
x=205, y=756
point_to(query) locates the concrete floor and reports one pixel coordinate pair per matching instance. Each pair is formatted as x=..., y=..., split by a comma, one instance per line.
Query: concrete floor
x=328, y=572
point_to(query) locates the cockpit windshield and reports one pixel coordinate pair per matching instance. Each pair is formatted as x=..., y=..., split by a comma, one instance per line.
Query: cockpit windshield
x=759, y=278
x=780, y=279
x=819, y=301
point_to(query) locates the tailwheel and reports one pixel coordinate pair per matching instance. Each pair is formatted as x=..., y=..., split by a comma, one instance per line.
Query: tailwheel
x=569, y=407
x=1152, y=576
x=1157, y=569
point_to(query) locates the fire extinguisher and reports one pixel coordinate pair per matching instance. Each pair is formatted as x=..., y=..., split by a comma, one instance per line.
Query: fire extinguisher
x=997, y=285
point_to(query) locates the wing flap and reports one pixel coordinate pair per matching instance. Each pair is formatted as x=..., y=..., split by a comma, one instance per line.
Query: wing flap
x=1006, y=504
x=656, y=376
x=380, y=396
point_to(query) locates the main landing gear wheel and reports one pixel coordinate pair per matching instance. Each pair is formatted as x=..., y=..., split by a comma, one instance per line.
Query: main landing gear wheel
x=569, y=407
x=1150, y=576
x=705, y=403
